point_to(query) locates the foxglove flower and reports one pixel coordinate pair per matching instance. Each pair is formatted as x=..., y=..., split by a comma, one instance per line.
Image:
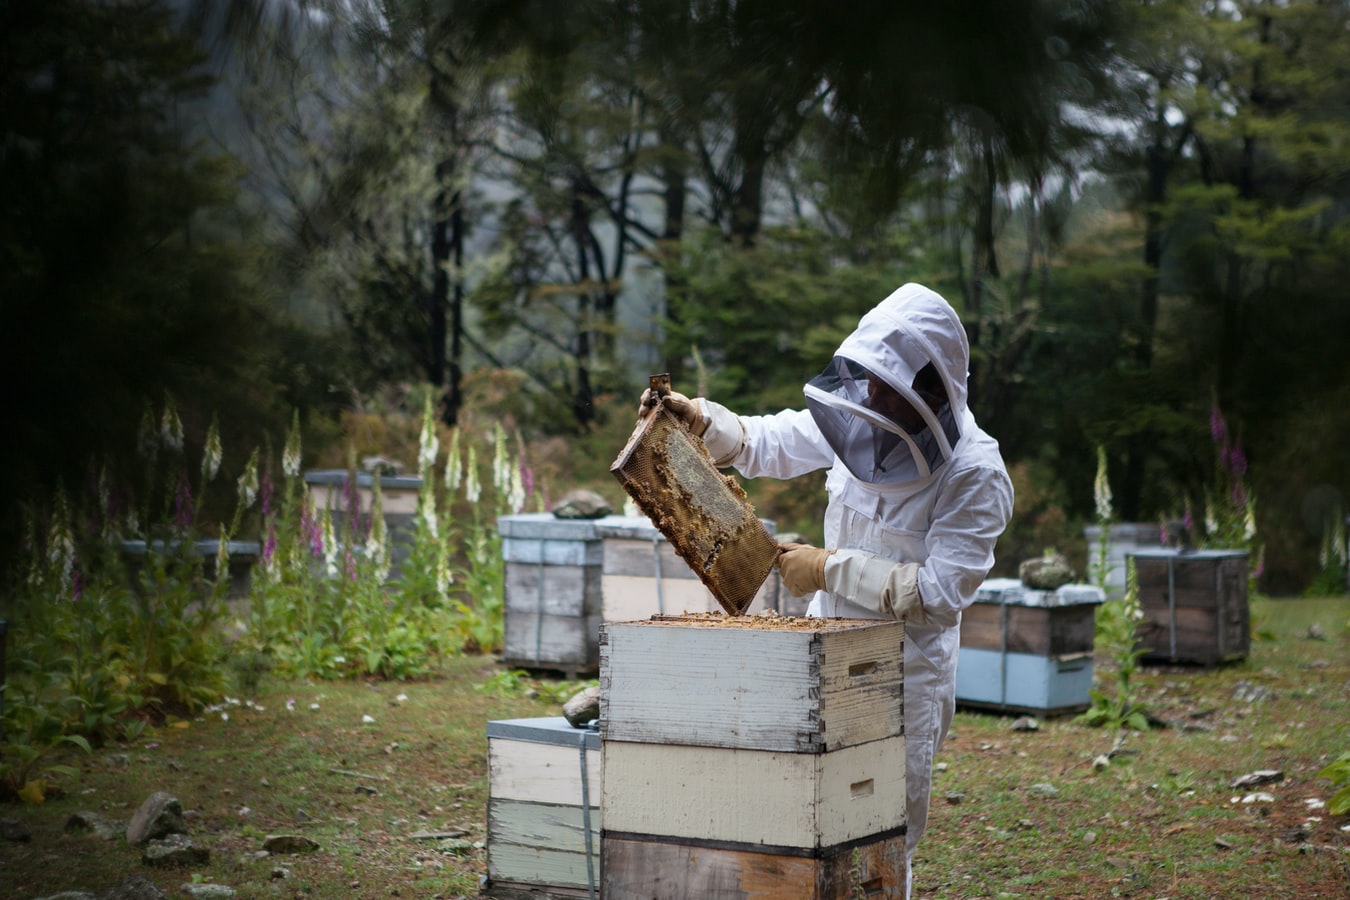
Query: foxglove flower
x=267, y=491
x=516, y=498
x=330, y=546
x=501, y=465
x=472, y=489
x=377, y=542
x=290, y=454
x=248, y=482
x=428, y=445
x=61, y=547
x=184, y=510
x=453, y=469
x=171, y=427
x=1218, y=428
x=222, y=556
x=428, y=512
x=211, y=453
x=1101, y=488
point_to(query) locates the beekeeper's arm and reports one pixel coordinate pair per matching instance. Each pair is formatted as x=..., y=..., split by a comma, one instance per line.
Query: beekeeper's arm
x=783, y=445
x=969, y=516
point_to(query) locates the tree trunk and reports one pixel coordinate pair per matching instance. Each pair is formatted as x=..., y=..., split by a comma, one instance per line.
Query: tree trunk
x=583, y=398
x=673, y=176
x=454, y=390
x=438, y=301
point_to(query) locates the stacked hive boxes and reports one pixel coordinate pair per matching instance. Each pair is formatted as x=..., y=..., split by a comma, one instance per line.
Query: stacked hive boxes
x=543, y=807
x=1194, y=604
x=1028, y=650
x=752, y=756
x=565, y=576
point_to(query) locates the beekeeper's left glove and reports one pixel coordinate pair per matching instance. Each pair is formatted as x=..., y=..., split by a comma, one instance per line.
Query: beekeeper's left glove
x=802, y=568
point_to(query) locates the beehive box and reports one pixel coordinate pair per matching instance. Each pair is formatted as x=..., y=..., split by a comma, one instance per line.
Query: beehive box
x=1194, y=604
x=565, y=576
x=1122, y=539
x=242, y=556
x=752, y=682
x=752, y=754
x=543, y=807
x=642, y=576
x=642, y=869
x=553, y=605
x=799, y=803
x=1027, y=650
x=398, y=498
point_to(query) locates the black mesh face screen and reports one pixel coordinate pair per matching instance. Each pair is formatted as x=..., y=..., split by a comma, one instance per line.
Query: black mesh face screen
x=704, y=514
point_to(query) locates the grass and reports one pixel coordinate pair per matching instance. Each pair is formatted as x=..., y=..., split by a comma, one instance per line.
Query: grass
x=1158, y=821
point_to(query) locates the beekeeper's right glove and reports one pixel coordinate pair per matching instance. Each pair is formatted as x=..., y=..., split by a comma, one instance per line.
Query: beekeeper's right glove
x=680, y=406
x=722, y=431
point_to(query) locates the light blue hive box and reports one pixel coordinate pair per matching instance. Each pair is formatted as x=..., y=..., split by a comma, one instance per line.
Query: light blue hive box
x=1027, y=650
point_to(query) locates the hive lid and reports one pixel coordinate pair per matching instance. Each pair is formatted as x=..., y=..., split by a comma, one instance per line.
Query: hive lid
x=704, y=514
x=1011, y=592
x=545, y=730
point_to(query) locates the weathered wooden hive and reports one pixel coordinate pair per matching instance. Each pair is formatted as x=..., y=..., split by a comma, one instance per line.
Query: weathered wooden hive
x=543, y=808
x=752, y=756
x=1194, y=604
x=565, y=576
x=1028, y=650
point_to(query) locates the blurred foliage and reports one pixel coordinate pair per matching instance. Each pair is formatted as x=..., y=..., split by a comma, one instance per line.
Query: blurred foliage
x=717, y=191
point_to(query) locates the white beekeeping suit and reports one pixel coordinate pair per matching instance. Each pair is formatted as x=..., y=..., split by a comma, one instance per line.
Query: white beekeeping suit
x=918, y=496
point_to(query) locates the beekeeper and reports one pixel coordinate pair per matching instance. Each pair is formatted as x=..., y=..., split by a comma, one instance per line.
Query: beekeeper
x=918, y=495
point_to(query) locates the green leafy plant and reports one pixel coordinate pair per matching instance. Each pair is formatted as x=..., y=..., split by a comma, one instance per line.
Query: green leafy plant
x=1115, y=626
x=1230, y=504
x=1099, y=566
x=1331, y=559
x=1116, y=621
x=1339, y=774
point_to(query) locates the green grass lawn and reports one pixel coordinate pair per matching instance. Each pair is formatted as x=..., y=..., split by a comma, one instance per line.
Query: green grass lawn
x=362, y=768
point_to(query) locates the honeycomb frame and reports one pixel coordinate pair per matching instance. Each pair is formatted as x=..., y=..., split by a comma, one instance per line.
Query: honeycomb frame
x=705, y=515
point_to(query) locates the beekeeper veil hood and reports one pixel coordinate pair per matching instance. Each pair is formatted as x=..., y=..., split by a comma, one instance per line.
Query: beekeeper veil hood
x=892, y=402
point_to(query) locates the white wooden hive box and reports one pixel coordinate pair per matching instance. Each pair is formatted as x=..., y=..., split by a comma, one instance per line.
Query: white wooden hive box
x=752, y=682
x=543, y=799
x=754, y=798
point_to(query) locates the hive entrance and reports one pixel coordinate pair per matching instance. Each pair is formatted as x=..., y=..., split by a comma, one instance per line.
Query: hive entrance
x=704, y=514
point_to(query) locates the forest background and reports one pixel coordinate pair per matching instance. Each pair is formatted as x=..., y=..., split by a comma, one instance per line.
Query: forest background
x=260, y=213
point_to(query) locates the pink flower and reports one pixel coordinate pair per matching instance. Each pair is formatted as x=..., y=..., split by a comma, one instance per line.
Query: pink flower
x=267, y=491
x=270, y=545
x=309, y=527
x=1237, y=461
x=1218, y=429
x=184, y=511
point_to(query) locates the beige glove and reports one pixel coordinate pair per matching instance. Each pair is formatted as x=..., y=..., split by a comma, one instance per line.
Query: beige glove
x=679, y=405
x=802, y=567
